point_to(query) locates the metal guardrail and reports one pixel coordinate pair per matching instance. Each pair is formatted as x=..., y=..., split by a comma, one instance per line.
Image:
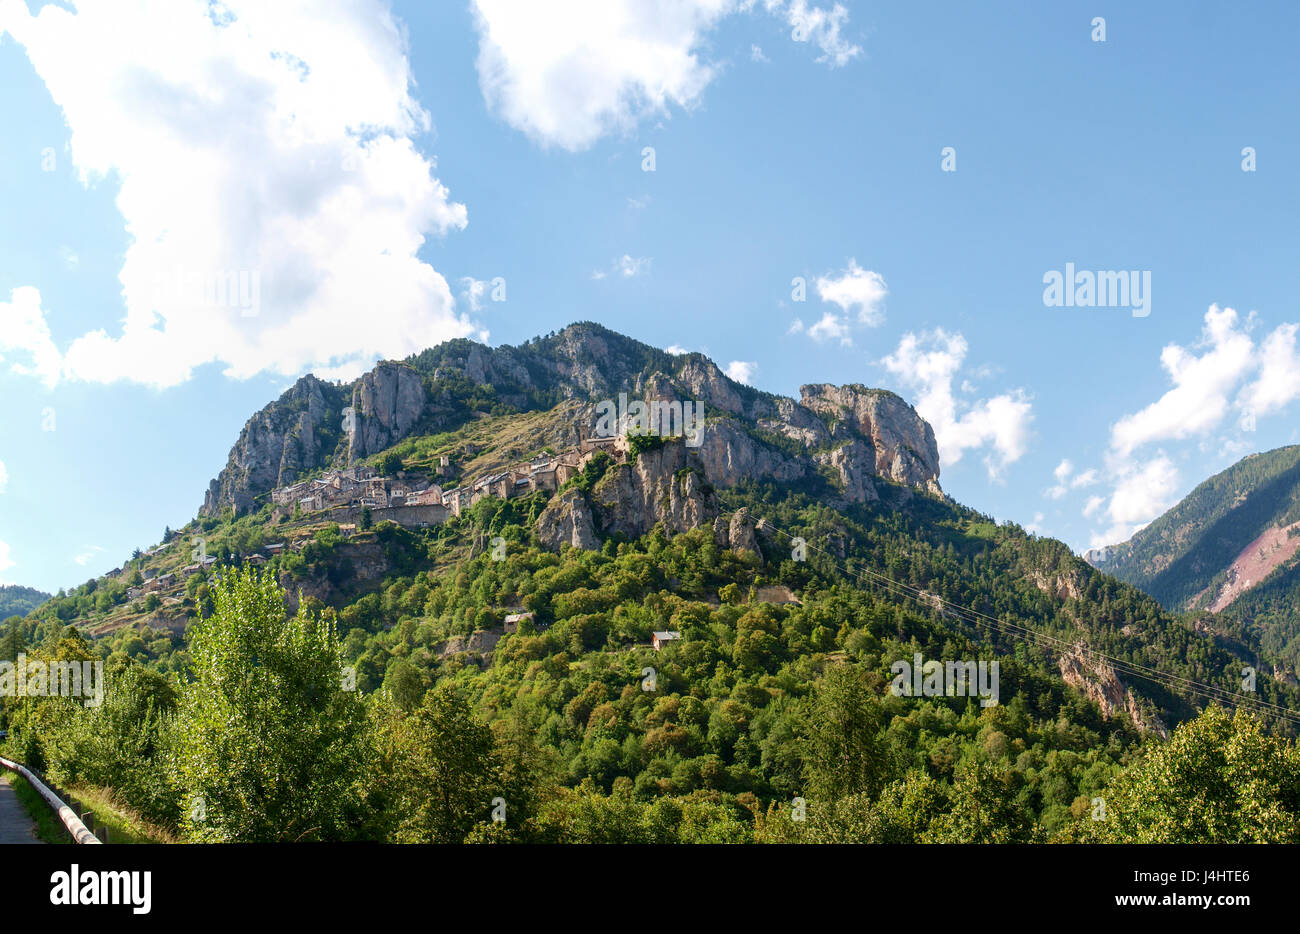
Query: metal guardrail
x=80, y=832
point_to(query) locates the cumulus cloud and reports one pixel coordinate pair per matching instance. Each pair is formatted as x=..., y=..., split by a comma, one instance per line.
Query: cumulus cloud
x=1277, y=380
x=858, y=296
x=25, y=337
x=928, y=363
x=1223, y=380
x=86, y=555
x=1067, y=479
x=570, y=71
x=1142, y=491
x=1203, y=384
x=267, y=178
x=742, y=371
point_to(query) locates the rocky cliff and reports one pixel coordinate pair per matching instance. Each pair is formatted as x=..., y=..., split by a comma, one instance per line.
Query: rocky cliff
x=297, y=432
x=850, y=436
x=386, y=405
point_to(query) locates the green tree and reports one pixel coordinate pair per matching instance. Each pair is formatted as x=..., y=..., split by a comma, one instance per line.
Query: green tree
x=1219, y=779
x=389, y=463
x=443, y=770
x=269, y=746
x=405, y=683
x=845, y=750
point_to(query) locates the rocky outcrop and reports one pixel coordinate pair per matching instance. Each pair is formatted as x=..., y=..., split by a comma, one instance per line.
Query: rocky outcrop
x=663, y=485
x=850, y=435
x=740, y=534
x=851, y=464
x=386, y=405
x=1097, y=680
x=292, y=434
x=902, y=444
x=567, y=520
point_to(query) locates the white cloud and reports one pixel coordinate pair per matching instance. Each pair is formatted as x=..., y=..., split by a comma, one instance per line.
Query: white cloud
x=742, y=371
x=856, y=290
x=627, y=266
x=1202, y=386
x=568, y=72
x=1067, y=480
x=1142, y=491
x=268, y=139
x=630, y=266
x=830, y=327
x=819, y=26
x=1094, y=503
x=1035, y=527
x=928, y=363
x=4, y=477
x=638, y=204
x=1278, y=378
x=474, y=291
x=86, y=555
x=1224, y=377
x=676, y=350
x=23, y=330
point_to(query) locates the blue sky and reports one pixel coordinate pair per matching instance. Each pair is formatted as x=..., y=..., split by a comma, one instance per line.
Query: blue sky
x=369, y=162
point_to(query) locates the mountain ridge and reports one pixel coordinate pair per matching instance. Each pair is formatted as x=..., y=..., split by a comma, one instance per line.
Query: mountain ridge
x=855, y=433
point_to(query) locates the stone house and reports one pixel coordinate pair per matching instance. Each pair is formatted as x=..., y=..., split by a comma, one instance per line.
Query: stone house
x=513, y=620
x=660, y=639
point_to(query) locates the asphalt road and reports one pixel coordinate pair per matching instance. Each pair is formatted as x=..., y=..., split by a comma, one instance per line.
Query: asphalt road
x=15, y=825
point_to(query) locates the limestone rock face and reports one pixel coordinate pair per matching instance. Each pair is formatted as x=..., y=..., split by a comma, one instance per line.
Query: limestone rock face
x=728, y=455
x=902, y=443
x=567, y=520
x=853, y=465
x=386, y=404
x=856, y=439
x=664, y=484
x=284, y=438
x=741, y=532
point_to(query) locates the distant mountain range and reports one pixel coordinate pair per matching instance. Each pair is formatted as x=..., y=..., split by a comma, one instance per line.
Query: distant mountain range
x=1230, y=548
x=19, y=601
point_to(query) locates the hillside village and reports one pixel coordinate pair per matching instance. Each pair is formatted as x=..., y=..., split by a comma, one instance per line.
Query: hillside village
x=422, y=502
x=340, y=496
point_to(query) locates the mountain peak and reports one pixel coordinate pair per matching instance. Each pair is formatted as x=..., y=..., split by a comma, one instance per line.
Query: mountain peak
x=850, y=434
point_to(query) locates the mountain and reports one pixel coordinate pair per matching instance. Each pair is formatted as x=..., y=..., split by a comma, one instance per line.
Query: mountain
x=19, y=601
x=851, y=434
x=464, y=524
x=1230, y=548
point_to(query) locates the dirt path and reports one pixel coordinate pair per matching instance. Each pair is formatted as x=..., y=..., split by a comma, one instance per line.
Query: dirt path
x=15, y=825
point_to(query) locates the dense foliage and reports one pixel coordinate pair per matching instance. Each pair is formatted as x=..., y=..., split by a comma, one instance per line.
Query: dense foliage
x=16, y=600
x=767, y=721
